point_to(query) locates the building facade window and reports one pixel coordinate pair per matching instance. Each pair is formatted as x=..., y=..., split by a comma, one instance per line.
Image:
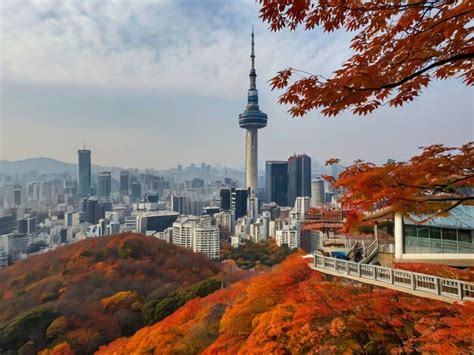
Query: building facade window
x=436, y=240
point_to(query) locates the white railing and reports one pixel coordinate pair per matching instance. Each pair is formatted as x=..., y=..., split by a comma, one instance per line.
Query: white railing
x=412, y=280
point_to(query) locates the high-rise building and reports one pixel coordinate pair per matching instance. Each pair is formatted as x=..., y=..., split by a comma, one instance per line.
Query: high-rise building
x=33, y=192
x=197, y=234
x=152, y=197
x=105, y=184
x=251, y=120
x=27, y=225
x=8, y=224
x=197, y=183
x=17, y=195
x=17, y=244
x=317, y=192
x=239, y=202
x=178, y=204
x=299, y=177
x=301, y=207
x=225, y=199
x=124, y=182
x=46, y=192
x=276, y=182
x=70, y=192
x=136, y=188
x=206, y=240
x=156, y=221
x=224, y=222
x=91, y=210
x=289, y=235
x=84, y=157
x=183, y=231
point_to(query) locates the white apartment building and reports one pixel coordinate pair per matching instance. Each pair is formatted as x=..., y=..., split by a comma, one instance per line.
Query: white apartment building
x=289, y=235
x=183, y=231
x=197, y=234
x=206, y=240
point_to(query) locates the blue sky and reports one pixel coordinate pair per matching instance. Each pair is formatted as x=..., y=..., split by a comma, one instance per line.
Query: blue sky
x=156, y=83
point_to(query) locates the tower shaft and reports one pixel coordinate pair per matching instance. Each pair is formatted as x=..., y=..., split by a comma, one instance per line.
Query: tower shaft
x=251, y=159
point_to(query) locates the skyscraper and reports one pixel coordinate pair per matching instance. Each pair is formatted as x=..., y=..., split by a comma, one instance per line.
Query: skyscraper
x=299, y=177
x=124, y=182
x=276, y=182
x=177, y=204
x=17, y=189
x=225, y=199
x=239, y=202
x=136, y=188
x=105, y=184
x=84, y=156
x=251, y=120
x=317, y=192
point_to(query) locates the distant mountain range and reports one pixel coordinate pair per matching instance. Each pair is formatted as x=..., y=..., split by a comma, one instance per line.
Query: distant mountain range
x=41, y=165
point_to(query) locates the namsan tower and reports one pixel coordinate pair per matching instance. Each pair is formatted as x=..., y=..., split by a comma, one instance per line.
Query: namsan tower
x=251, y=120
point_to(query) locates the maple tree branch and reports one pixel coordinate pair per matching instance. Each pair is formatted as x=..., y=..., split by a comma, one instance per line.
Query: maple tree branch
x=453, y=206
x=455, y=58
x=427, y=5
x=443, y=20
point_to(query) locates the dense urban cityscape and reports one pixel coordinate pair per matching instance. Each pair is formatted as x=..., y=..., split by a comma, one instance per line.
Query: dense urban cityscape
x=328, y=240
x=185, y=206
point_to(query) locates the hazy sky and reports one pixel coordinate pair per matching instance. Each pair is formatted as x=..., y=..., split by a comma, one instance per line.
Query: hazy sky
x=156, y=83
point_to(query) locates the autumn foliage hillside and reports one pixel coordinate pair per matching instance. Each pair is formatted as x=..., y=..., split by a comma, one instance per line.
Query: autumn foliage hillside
x=297, y=310
x=91, y=292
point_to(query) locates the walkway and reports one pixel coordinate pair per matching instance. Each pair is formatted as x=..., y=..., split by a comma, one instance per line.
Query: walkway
x=422, y=285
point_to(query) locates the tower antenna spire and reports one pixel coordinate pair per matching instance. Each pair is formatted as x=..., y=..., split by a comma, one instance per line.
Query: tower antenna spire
x=252, y=55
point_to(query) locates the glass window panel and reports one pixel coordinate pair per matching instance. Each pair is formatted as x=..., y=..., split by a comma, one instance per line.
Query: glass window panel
x=409, y=231
x=435, y=233
x=409, y=239
x=423, y=232
x=464, y=236
x=449, y=234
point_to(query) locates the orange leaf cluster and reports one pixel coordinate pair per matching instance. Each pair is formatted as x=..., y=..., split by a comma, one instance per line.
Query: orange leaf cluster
x=400, y=47
x=430, y=184
x=296, y=310
x=94, y=288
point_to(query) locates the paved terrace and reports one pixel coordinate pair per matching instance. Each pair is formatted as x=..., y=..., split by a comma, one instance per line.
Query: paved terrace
x=422, y=285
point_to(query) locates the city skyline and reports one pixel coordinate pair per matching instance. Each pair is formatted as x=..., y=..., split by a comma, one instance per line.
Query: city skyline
x=141, y=78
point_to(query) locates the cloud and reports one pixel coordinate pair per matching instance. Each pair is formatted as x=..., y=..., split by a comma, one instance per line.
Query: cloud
x=154, y=83
x=195, y=46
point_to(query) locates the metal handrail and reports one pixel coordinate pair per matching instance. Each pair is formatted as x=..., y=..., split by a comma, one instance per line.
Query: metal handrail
x=370, y=251
x=403, y=278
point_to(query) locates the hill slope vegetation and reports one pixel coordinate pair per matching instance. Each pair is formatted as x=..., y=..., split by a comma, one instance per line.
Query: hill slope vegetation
x=295, y=310
x=91, y=292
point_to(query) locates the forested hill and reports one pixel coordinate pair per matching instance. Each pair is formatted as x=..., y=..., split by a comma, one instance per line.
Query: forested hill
x=93, y=291
x=295, y=310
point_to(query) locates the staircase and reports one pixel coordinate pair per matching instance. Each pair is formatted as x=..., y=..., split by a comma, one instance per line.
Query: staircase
x=360, y=252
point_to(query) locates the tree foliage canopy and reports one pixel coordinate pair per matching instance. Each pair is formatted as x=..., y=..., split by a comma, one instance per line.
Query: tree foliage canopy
x=431, y=183
x=294, y=310
x=399, y=48
x=93, y=291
